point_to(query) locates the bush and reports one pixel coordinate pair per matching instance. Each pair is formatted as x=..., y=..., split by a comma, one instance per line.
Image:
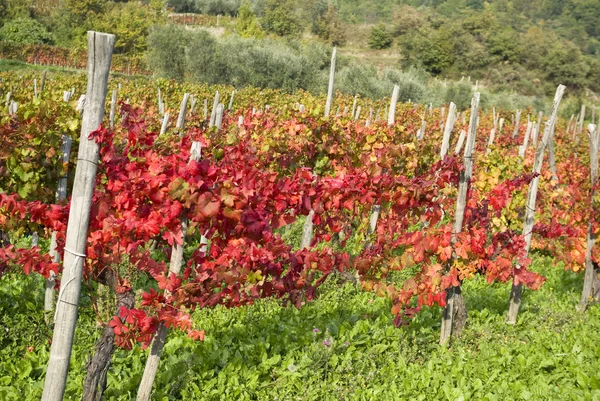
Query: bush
x=461, y=94
x=247, y=24
x=380, y=38
x=26, y=31
x=166, y=51
x=412, y=87
x=280, y=18
x=363, y=80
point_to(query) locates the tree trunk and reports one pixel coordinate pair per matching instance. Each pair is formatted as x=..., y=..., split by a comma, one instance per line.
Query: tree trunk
x=97, y=368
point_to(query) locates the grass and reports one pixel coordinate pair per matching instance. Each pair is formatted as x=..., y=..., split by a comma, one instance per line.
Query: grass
x=343, y=346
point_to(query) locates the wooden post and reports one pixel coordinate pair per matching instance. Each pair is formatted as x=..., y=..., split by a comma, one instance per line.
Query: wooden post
x=35, y=239
x=81, y=104
x=113, y=108
x=421, y=133
x=523, y=148
x=490, y=141
x=182, y=111
x=591, y=284
x=517, y=290
x=43, y=85
x=307, y=231
x=213, y=114
x=194, y=100
x=100, y=49
x=354, y=106
x=230, y=108
x=331, y=84
x=219, y=120
x=581, y=120
x=570, y=123
x=393, y=102
x=158, y=342
x=448, y=127
x=461, y=141
x=442, y=118
x=538, y=128
x=357, y=115
x=61, y=195
x=165, y=124
x=13, y=107
x=455, y=313
x=205, y=109
x=517, y=120
x=161, y=104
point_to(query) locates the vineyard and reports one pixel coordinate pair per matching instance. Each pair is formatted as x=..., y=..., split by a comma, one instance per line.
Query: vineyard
x=249, y=244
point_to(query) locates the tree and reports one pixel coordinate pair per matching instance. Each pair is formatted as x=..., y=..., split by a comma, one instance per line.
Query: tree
x=166, y=51
x=130, y=23
x=26, y=31
x=380, y=37
x=280, y=17
x=247, y=24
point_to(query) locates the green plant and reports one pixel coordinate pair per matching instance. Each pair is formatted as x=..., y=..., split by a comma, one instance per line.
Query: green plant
x=380, y=38
x=26, y=31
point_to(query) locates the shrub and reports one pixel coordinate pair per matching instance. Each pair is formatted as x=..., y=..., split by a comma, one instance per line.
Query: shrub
x=27, y=31
x=411, y=85
x=166, y=51
x=380, y=37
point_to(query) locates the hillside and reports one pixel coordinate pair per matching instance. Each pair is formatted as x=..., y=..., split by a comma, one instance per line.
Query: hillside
x=527, y=47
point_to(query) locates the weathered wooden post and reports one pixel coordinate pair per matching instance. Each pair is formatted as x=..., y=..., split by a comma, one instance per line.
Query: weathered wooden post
x=100, y=50
x=538, y=128
x=357, y=115
x=517, y=289
x=165, y=124
x=219, y=119
x=517, y=120
x=43, y=85
x=581, y=120
x=213, y=113
x=161, y=103
x=61, y=195
x=448, y=127
x=523, y=148
x=331, y=83
x=113, y=109
x=393, y=102
x=461, y=141
x=307, y=231
x=455, y=312
x=230, y=108
x=182, y=111
x=591, y=283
